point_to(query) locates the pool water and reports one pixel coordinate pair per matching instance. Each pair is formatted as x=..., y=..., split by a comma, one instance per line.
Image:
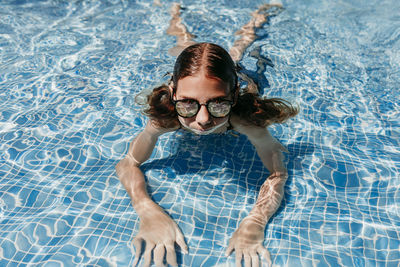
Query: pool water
x=69, y=73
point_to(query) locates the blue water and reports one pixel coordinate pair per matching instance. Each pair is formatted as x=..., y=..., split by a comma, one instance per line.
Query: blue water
x=69, y=72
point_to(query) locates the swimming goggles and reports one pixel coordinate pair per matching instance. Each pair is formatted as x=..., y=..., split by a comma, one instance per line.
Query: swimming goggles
x=188, y=108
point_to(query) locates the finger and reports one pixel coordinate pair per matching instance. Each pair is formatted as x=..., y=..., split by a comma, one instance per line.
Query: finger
x=265, y=253
x=135, y=262
x=180, y=240
x=255, y=262
x=137, y=243
x=238, y=257
x=159, y=253
x=247, y=259
x=147, y=254
x=171, y=255
x=229, y=249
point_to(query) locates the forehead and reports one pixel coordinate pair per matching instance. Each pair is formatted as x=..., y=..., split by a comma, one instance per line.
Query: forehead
x=201, y=87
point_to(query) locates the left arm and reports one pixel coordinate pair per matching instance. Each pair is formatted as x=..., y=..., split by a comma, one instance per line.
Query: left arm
x=271, y=192
x=248, y=239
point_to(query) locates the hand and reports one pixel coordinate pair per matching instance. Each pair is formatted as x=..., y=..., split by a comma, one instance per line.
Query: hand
x=160, y=233
x=247, y=241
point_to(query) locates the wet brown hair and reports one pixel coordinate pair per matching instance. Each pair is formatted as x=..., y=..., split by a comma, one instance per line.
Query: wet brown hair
x=216, y=63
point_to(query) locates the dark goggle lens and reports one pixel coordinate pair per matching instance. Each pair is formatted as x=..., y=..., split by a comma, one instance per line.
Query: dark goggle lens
x=190, y=108
x=186, y=109
x=219, y=109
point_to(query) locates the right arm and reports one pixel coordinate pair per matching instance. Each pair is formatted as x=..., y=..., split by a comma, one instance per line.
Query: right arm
x=128, y=170
x=157, y=229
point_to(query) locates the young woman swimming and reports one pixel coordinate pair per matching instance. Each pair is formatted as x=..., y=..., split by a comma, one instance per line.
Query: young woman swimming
x=203, y=97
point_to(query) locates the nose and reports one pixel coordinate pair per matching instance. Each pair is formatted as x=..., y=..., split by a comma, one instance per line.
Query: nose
x=203, y=118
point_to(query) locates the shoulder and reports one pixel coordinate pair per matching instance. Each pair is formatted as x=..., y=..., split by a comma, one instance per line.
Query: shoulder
x=245, y=127
x=154, y=129
x=253, y=132
x=260, y=137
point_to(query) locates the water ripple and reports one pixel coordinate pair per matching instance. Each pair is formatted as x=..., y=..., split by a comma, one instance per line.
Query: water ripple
x=69, y=75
